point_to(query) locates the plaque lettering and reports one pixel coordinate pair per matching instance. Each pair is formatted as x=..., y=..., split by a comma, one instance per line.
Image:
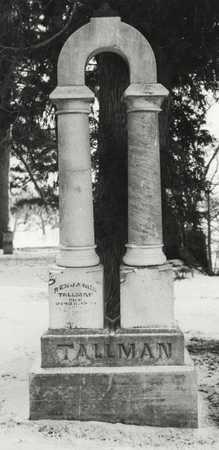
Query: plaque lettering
x=146, y=351
x=82, y=351
x=66, y=349
x=97, y=353
x=73, y=285
x=115, y=351
x=65, y=353
x=128, y=351
x=74, y=300
x=164, y=349
x=109, y=353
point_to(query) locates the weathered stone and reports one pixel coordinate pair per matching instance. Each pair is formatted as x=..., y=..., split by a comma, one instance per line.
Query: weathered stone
x=147, y=296
x=144, y=192
x=105, y=348
x=106, y=34
x=76, y=297
x=151, y=395
x=77, y=246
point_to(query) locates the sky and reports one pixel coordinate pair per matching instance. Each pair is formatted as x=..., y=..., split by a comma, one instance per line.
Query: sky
x=213, y=118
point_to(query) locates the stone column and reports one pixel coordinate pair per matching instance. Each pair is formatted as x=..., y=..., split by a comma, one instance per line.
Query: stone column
x=77, y=246
x=144, y=246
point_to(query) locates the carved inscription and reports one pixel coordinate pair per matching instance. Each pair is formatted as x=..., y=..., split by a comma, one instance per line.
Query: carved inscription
x=126, y=351
x=76, y=298
x=141, y=351
x=75, y=294
x=74, y=302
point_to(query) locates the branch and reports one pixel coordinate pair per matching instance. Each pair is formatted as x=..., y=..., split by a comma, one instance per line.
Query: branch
x=47, y=41
x=215, y=173
x=5, y=139
x=32, y=178
x=211, y=159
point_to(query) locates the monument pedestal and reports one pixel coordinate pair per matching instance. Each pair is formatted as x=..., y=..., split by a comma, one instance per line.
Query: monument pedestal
x=141, y=395
x=130, y=376
x=139, y=374
x=101, y=347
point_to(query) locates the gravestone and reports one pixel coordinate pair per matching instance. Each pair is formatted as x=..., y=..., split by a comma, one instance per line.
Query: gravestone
x=140, y=373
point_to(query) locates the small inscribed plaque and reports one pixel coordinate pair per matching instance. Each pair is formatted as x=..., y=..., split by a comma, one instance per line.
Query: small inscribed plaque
x=75, y=296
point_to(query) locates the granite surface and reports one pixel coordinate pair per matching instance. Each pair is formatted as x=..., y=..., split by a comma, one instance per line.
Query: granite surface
x=106, y=34
x=144, y=192
x=120, y=348
x=146, y=296
x=152, y=395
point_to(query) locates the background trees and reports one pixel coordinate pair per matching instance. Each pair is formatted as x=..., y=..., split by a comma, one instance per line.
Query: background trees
x=184, y=37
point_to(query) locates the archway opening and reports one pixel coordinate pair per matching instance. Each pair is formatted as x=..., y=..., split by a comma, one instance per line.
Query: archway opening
x=107, y=74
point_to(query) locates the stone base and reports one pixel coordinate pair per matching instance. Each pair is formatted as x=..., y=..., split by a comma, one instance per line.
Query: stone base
x=70, y=348
x=153, y=395
x=146, y=298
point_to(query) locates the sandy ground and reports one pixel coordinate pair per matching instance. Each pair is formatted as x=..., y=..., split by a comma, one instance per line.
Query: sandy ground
x=23, y=318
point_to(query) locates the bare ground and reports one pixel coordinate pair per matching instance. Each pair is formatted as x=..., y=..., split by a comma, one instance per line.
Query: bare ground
x=23, y=318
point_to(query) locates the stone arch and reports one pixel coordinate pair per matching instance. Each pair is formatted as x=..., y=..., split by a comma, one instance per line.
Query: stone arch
x=143, y=98
x=102, y=35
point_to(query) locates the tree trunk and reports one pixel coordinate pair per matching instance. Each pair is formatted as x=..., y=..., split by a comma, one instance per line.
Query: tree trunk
x=209, y=233
x=112, y=187
x=4, y=189
x=6, y=116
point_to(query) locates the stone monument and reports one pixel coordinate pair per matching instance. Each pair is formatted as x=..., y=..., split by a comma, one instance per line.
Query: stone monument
x=140, y=373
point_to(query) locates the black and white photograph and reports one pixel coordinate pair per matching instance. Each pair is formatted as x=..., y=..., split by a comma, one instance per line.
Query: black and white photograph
x=109, y=224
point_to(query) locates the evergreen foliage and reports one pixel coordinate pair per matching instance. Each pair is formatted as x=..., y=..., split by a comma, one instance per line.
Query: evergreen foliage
x=184, y=37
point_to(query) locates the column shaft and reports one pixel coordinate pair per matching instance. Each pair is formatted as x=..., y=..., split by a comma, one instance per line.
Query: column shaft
x=75, y=187
x=144, y=246
x=144, y=194
x=77, y=244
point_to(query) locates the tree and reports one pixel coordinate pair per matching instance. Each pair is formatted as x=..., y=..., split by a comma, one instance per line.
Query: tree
x=25, y=117
x=111, y=186
x=211, y=213
x=17, y=28
x=8, y=34
x=186, y=59
x=28, y=30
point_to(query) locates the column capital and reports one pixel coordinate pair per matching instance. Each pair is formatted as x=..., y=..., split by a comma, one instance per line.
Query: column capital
x=72, y=99
x=145, y=97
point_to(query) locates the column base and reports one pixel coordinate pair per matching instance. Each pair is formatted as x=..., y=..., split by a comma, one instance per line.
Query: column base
x=144, y=255
x=77, y=257
x=164, y=396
